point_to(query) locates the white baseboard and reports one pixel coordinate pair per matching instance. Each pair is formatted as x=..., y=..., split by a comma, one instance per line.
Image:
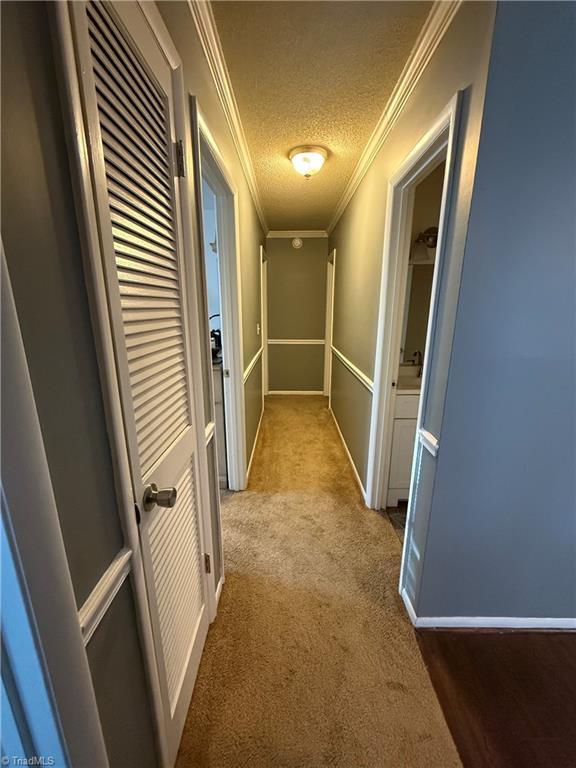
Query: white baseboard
x=219, y=592
x=484, y=622
x=356, y=475
x=254, y=446
x=295, y=392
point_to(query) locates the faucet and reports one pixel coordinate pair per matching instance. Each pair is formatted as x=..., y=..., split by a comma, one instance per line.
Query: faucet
x=418, y=360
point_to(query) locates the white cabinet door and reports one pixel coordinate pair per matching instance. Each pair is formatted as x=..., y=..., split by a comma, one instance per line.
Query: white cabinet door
x=403, y=438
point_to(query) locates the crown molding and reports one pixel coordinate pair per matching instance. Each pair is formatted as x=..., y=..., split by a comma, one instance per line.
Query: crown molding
x=278, y=233
x=434, y=29
x=205, y=23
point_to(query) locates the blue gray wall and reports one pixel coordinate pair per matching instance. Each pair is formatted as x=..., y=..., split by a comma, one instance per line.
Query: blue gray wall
x=502, y=531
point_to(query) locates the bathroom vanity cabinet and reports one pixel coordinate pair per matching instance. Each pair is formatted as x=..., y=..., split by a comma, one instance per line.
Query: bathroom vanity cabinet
x=403, y=436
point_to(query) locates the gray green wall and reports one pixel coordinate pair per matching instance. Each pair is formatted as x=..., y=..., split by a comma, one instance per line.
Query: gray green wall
x=502, y=533
x=296, y=310
x=198, y=82
x=41, y=240
x=459, y=63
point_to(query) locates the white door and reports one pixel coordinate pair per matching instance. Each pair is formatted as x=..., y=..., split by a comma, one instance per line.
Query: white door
x=130, y=91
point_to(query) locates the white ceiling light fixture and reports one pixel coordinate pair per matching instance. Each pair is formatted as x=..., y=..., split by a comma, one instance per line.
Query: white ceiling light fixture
x=308, y=160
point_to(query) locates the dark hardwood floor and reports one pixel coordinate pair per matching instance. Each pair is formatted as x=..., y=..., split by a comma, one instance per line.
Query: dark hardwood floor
x=509, y=698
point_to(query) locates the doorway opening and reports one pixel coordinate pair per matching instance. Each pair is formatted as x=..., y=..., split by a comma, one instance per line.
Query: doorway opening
x=421, y=255
x=223, y=363
x=410, y=373
x=211, y=247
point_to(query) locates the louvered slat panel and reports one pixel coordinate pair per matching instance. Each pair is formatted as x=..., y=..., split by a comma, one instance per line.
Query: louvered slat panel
x=148, y=413
x=143, y=229
x=136, y=339
x=137, y=197
x=138, y=211
x=176, y=564
x=139, y=391
x=127, y=141
x=137, y=157
x=132, y=67
x=138, y=177
x=138, y=328
x=155, y=391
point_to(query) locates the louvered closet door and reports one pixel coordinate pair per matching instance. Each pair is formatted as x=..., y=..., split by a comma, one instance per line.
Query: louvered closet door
x=129, y=99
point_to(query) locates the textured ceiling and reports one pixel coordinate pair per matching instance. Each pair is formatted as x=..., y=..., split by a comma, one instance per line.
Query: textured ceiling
x=312, y=73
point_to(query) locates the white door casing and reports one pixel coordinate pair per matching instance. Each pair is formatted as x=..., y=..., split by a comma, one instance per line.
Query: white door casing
x=214, y=171
x=329, y=329
x=264, y=319
x=131, y=93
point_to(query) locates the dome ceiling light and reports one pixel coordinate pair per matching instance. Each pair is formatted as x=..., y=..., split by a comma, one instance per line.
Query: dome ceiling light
x=308, y=160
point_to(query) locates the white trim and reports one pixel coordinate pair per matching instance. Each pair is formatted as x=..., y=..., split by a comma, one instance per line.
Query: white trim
x=252, y=364
x=329, y=323
x=39, y=553
x=429, y=442
x=254, y=446
x=264, y=319
x=210, y=431
x=100, y=599
x=356, y=475
x=296, y=341
x=485, y=622
x=434, y=29
x=296, y=392
x=109, y=375
x=290, y=233
x=216, y=174
x=207, y=32
x=437, y=142
x=362, y=378
x=219, y=589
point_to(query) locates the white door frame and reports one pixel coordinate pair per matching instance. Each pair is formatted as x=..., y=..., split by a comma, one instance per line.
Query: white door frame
x=264, y=319
x=214, y=170
x=436, y=145
x=329, y=328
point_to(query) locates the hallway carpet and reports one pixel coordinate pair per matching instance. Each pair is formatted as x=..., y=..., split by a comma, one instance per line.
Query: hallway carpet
x=311, y=661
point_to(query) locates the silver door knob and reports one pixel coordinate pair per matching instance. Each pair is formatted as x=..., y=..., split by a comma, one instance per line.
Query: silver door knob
x=165, y=497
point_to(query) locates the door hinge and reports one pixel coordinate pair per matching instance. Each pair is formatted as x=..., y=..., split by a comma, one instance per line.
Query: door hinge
x=226, y=373
x=207, y=563
x=137, y=513
x=179, y=166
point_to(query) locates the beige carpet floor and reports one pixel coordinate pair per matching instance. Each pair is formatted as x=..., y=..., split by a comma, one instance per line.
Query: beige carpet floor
x=311, y=661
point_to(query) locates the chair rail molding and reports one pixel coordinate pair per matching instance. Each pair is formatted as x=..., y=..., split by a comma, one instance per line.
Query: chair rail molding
x=296, y=341
x=360, y=375
x=431, y=34
x=207, y=32
x=100, y=599
x=252, y=364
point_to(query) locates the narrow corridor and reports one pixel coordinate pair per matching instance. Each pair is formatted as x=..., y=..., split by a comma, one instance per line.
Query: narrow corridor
x=311, y=661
